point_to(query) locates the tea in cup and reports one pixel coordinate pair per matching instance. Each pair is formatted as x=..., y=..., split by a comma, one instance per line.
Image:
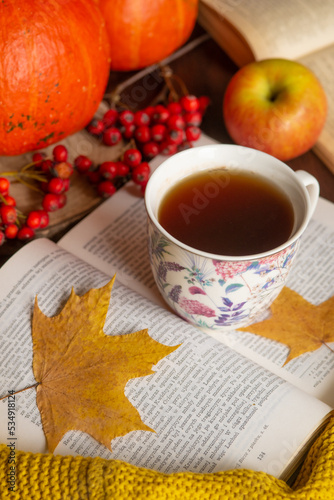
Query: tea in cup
x=224, y=227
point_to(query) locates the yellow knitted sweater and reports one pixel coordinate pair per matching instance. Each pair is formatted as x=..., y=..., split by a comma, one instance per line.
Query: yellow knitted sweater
x=49, y=477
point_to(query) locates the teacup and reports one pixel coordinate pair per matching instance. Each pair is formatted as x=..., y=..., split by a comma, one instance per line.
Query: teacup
x=220, y=292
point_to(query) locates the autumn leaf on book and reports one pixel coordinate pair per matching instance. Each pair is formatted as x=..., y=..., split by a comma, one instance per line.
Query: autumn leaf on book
x=81, y=372
x=302, y=326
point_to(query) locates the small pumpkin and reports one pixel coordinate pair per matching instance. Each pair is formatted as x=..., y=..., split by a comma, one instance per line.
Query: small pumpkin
x=142, y=33
x=54, y=69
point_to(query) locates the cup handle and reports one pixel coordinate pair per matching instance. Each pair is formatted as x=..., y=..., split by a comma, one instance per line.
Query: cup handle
x=312, y=186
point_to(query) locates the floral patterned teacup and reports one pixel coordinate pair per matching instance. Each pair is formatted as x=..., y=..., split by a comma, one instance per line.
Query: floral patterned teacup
x=218, y=292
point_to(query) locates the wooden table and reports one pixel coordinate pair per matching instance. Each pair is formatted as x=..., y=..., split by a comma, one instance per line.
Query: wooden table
x=205, y=70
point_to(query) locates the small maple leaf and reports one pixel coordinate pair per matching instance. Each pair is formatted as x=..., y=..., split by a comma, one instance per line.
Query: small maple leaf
x=302, y=326
x=81, y=372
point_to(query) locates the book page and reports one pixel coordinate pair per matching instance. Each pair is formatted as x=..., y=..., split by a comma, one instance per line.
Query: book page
x=275, y=29
x=205, y=415
x=322, y=64
x=230, y=39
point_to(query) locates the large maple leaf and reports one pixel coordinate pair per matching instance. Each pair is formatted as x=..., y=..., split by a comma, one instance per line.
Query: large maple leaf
x=81, y=372
x=302, y=326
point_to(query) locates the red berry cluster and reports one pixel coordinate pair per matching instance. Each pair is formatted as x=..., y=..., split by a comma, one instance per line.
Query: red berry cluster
x=53, y=177
x=161, y=129
x=57, y=172
x=10, y=224
x=110, y=175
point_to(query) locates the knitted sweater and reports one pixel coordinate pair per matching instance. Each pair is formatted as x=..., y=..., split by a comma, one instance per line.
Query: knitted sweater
x=49, y=477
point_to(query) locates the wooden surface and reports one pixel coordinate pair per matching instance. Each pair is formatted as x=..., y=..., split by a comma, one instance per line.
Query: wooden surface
x=205, y=70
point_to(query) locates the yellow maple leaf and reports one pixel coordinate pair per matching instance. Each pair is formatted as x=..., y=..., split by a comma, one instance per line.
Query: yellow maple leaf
x=81, y=372
x=302, y=326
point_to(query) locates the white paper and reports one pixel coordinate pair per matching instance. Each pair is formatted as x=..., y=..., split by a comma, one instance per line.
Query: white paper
x=206, y=415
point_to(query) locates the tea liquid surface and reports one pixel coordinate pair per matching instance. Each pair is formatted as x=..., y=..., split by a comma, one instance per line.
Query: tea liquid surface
x=227, y=213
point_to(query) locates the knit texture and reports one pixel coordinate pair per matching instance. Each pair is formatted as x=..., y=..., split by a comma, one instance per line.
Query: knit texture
x=42, y=476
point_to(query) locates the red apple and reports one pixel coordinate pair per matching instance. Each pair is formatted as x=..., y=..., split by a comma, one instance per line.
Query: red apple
x=277, y=106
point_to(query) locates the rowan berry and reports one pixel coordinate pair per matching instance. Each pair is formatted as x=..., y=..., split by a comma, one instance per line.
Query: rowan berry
x=141, y=173
x=204, y=102
x=122, y=169
x=11, y=231
x=34, y=219
x=108, y=169
x=37, y=158
x=193, y=118
x=82, y=164
x=25, y=233
x=62, y=200
x=175, y=136
x=189, y=102
x=110, y=117
x=126, y=117
x=128, y=130
x=158, y=132
x=193, y=133
x=112, y=136
x=174, y=108
x=96, y=127
x=161, y=114
x=4, y=185
x=55, y=185
x=150, y=149
x=44, y=219
x=50, y=202
x=141, y=118
x=60, y=153
x=9, y=200
x=106, y=189
x=176, y=122
x=132, y=157
x=8, y=214
x=142, y=134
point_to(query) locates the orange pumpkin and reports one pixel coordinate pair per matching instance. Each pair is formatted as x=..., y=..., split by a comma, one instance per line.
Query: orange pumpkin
x=54, y=68
x=142, y=33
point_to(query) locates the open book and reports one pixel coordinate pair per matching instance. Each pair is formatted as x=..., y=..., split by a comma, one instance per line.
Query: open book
x=249, y=30
x=219, y=401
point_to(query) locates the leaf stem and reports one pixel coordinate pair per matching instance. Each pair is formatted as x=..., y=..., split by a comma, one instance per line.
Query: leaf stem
x=332, y=350
x=21, y=390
